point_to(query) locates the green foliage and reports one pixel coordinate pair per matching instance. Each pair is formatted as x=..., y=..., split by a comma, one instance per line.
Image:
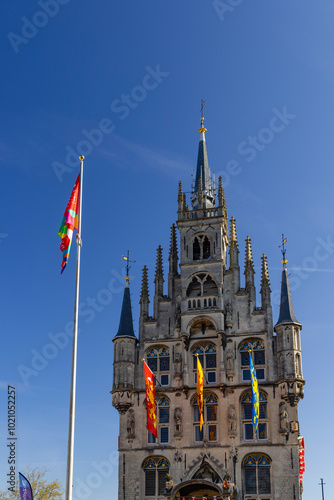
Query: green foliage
x=42, y=489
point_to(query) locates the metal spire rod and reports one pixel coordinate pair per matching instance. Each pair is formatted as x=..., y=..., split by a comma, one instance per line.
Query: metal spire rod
x=322, y=487
x=127, y=259
x=70, y=444
x=283, y=250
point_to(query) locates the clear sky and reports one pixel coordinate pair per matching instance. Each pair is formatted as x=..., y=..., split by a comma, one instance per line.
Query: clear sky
x=266, y=71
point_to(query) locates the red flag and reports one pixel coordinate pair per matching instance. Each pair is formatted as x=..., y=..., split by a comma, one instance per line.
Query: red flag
x=69, y=222
x=200, y=391
x=150, y=401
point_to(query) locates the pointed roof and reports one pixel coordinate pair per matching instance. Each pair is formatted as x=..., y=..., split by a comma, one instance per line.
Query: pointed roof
x=203, y=169
x=125, y=328
x=286, y=313
x=203, y=174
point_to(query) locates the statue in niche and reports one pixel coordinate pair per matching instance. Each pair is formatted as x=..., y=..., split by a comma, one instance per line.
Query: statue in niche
x=178, y=364
x=232, y=420
x=177, y=317
x=228, y=312
x=229, y=361
x=178, y=420
x=284, y=418
x=130, y=423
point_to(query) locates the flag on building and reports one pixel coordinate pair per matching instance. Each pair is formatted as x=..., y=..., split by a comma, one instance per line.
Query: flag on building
x=69, y=222
x=255, y=393
x=150, y=401
x=200, y=391
x=25, y=488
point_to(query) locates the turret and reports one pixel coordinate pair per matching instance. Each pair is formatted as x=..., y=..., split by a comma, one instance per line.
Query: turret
x=288, y=330
x=125, y=343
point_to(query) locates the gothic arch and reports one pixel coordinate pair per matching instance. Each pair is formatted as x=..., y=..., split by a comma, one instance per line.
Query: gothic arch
x=204, y=459
x=201, y=277
x=201, y=244
x=195, y=322
x=253, y=343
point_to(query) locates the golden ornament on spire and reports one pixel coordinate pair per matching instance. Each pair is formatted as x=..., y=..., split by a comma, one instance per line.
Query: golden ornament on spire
x=202, y=128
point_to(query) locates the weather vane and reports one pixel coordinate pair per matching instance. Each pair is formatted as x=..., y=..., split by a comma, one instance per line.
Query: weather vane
x=127, y=258
x=202, y=106
x=283, y=249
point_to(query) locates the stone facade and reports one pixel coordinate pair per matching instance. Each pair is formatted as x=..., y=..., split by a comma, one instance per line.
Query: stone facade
x=207, y=312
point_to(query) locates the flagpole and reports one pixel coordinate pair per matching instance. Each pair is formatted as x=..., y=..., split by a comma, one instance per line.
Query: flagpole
x=70, y=444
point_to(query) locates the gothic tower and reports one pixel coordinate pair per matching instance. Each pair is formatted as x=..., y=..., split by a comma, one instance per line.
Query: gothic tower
x=208, y=312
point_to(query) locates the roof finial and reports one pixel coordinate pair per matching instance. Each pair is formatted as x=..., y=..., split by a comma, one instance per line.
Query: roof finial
x=283, y=250
x=202, y=128
x=127, y=277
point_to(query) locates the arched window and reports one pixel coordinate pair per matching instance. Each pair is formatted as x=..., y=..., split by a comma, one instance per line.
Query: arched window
x=210, y=416
x=256, y=475
x=206, y=248
x=248, y=428
x=196, y=250
x=163, y=422
x=203, y=285
x=259, y=359
x=155, y=469
x=208, y=357
x=159, y=362
x=201, y=247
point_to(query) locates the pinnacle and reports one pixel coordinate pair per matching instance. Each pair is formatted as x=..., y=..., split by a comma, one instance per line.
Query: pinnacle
x=264, y=272
x=158, y=268
x=249, y=263
x=144, y=285
x=173, y=244
x=233, y=233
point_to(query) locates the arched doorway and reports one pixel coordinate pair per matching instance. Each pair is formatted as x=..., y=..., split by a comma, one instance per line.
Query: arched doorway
x=197, y=488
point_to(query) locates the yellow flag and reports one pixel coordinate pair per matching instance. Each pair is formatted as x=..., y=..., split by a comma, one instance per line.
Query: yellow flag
x=200, y=391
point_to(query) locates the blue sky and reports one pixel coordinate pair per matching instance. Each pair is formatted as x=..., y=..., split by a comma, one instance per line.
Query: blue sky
x=65, y=73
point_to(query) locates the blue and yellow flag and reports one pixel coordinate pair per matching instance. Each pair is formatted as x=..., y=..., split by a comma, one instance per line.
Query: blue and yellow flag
x=255, y=393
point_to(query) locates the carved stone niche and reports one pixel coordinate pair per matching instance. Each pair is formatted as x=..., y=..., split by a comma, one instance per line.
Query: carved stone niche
x=185, y=337
x=178, y=366
x=232, y=421
x=284, y=418
x=178, y=423
x=130, y=424
x=229, y=363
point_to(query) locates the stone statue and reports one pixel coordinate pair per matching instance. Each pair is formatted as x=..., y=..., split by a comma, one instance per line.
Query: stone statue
x=229, y=361
x=178, y=420
x=178, y=364
x=232, y=419
x=284, y=418
x=130, y=424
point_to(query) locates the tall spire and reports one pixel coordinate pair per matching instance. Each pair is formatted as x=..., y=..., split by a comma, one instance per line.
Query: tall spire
x=286, y=313
x=203, y=170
